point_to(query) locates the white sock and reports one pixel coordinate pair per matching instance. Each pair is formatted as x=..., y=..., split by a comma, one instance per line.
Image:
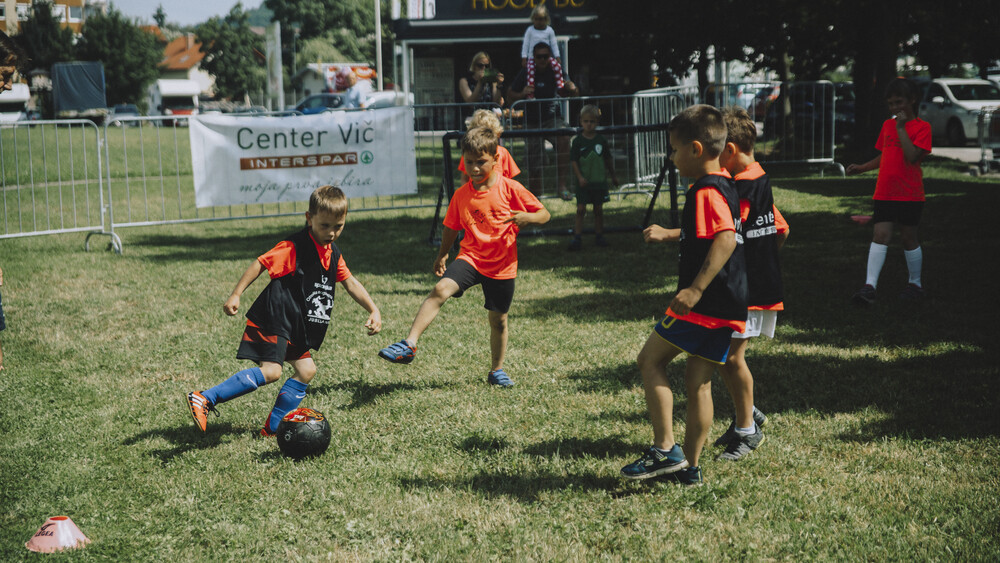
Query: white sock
x=746, y=431
x=914, y=263
x=876, y=259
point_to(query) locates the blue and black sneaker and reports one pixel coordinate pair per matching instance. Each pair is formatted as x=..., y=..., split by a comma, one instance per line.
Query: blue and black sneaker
x=499, y=378
x=656, y=462
x=399, y=353
x=688, y=476
x=759, y=418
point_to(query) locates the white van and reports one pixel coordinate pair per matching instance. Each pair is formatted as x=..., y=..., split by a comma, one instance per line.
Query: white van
x=952, y=107
x=14, y=103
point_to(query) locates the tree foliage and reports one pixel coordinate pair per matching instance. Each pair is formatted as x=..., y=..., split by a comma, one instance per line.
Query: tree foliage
x=44, y=38
x=349, y=25
x=129, y=54
x=233, y=54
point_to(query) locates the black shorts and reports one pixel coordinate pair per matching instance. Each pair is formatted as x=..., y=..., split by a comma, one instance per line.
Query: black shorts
x=259, y=346
x=902, y=212
x=498, y=293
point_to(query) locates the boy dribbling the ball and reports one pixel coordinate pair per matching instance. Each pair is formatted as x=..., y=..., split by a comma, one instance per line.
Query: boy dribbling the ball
x=290, y=317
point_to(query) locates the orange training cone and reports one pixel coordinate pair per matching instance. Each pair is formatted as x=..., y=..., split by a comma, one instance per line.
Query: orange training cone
x=57, y=533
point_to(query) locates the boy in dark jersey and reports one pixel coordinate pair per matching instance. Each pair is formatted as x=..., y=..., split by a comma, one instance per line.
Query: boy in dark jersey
x=764, y=232
x=290, y=317
x=711, y=302
x=491, y=209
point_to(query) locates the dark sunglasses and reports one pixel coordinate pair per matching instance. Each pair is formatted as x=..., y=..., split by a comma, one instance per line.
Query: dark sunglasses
x=482, y=65
x=542, y=56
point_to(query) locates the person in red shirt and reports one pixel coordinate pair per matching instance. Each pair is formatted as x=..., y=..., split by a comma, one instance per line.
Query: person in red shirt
x=711, y=302
x=291, y=315
x=904, y=142
x=491, y=209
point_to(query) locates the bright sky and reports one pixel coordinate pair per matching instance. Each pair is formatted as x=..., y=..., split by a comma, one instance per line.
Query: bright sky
x=183, y=12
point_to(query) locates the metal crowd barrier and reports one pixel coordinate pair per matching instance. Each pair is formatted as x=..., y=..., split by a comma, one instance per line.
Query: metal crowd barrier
x=638, y=155
x=802, y=126
x=989, y=138
x=72, y=176
x=51, y=178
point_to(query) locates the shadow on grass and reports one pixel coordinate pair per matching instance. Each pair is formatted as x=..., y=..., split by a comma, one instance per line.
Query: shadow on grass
x=602, y=448
x=958, y=401
x=185, y=439
x=364, y=393
x=607, y=379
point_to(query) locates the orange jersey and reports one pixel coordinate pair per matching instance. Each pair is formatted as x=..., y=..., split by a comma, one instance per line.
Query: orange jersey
x=716, y=217
x=713, y=216
x=508, y=168
x=899, y=180
x=280, y=260
x=490, y=242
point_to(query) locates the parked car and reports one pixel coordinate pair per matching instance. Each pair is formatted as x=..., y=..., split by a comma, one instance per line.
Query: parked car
x=952, y=106
x=318, y=103
x=123, y=110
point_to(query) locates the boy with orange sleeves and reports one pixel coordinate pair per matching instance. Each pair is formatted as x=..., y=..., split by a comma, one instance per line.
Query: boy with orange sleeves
x=290, y=316
x=711, y=302
x=491, y=209
x=764, y=232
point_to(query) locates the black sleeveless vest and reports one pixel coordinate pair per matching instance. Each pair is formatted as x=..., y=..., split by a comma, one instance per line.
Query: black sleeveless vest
x=760, y=241
x=726, y=295
x=297, y=307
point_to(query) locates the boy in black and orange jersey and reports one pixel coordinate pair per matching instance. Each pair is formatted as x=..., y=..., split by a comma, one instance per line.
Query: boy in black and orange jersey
x=491, y=209
x=290, y=317
x=711, y=302
x=764, y=232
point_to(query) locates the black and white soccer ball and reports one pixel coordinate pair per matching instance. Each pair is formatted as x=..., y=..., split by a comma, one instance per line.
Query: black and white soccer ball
x=302, y=433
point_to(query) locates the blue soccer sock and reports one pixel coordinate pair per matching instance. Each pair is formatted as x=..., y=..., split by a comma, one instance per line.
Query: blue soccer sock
x=291, y=394
x=239, y=384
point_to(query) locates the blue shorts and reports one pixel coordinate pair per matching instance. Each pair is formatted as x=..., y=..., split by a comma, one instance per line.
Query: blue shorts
x=710, y=344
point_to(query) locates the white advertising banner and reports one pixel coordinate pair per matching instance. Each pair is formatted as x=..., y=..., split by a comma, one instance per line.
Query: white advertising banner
x=239, y=159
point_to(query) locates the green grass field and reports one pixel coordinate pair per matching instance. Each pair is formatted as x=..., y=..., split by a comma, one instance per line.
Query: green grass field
x=882, y=443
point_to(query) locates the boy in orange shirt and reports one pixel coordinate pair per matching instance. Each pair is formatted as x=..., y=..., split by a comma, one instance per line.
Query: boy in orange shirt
x=711, y=301
x=490, y=208
x=904, y=142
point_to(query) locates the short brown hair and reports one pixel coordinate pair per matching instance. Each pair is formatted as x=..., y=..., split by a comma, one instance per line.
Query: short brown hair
x=330, y=199
x=742, y=131
x=479, y=140
x=702, y=123
x=591, y=110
